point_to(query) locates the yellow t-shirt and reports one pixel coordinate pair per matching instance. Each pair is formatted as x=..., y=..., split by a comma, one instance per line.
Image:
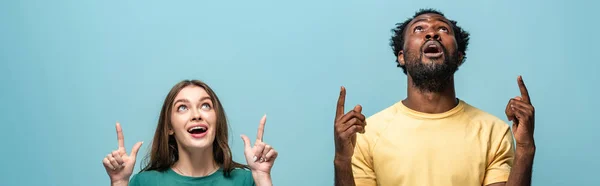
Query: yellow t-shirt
x=464, y=146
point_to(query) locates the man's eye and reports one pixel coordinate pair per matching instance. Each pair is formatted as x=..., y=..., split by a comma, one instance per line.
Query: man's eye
x=418, y=29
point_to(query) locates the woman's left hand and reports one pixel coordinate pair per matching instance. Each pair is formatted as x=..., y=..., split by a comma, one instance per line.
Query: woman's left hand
x=261, y=156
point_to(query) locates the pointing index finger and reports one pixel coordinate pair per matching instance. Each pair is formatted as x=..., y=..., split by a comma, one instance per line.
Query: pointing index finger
x=120, y=137
x=523, y=89
x=261, y=128
x=340, y=104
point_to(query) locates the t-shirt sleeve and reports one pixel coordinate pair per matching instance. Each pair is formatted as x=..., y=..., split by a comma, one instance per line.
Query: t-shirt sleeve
x=498, y=169
x=362, y=162
x=134, y=181
x=249, y=179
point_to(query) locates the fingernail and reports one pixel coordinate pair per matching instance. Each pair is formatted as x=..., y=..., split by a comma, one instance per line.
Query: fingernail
x=255, y=158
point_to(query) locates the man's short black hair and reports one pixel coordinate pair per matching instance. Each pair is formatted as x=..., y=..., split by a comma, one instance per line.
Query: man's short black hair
x=397, y=41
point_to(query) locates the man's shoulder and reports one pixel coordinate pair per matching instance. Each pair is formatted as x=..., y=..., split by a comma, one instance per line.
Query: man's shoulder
x=479, y=116
x=384, y=116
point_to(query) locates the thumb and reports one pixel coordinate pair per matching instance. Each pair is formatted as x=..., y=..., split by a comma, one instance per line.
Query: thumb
x=510, y=115
x=509, y=112
x=358, y=108
x=246, y=141
x=136, y=148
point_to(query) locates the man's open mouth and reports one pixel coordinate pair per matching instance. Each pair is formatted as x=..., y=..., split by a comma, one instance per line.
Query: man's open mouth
x=432, y=49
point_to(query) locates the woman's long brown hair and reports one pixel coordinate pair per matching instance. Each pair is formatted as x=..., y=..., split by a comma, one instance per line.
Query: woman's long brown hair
x=164, y=152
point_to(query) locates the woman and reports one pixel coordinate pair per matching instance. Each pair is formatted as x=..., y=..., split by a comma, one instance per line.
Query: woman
x=190, y=146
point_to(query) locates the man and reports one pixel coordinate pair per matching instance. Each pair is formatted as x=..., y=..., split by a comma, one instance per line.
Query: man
x=432, y=138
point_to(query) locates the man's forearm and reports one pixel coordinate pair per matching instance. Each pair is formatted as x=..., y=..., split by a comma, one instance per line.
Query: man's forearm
x=343, y=172
x=520, y=174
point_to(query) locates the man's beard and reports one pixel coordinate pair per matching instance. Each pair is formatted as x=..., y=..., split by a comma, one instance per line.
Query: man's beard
x=432, y=76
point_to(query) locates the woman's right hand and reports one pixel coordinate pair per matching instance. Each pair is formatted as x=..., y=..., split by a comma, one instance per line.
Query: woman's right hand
x=118, y=164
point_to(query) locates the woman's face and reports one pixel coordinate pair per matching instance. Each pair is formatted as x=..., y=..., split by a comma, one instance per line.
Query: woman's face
x=193, y=118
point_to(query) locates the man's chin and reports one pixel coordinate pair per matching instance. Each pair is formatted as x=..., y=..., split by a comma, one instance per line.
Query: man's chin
x=436, y=60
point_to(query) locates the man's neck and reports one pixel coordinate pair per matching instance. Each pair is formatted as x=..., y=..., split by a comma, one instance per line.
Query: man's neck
x=430, y=102
x=196, y=162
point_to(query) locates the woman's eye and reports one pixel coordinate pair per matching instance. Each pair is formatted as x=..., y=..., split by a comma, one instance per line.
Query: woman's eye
x=206, y=106
x=182, y=108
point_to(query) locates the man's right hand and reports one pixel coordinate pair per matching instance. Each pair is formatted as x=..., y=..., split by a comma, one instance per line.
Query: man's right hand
x=346, y=127
x=118, y=164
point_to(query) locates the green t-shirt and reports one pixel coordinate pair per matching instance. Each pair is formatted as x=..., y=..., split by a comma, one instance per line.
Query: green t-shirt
x=241, y=177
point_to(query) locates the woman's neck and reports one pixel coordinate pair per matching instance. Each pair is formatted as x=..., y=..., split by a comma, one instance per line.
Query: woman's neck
x=195, y=162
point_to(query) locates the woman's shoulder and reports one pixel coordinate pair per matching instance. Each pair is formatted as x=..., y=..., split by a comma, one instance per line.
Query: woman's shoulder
x=147, y=176
x=237, y=176
x=149, y=173
x=242, y=176
x=240, y=172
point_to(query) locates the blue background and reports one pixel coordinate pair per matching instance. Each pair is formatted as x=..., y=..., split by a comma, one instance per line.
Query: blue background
x=70, y=69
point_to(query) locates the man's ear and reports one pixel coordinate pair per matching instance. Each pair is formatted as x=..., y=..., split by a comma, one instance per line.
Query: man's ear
x=461, y=57
x=400, y=58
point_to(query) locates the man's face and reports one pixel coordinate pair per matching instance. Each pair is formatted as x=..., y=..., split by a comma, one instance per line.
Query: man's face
x=430, y=52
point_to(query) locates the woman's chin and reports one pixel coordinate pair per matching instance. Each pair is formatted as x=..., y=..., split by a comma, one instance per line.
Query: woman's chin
x=198, y=144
